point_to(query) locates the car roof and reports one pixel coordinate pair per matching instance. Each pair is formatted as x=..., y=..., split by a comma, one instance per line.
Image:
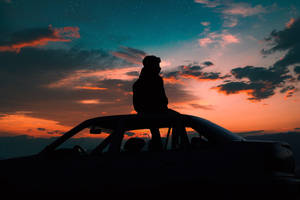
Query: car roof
x=135, y=121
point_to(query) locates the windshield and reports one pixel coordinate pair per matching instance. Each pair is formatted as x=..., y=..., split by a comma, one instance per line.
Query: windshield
x=211, y=130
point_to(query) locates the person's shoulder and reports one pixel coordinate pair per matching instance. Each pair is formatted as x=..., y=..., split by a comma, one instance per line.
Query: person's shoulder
x=136, y=83
x=160, y=79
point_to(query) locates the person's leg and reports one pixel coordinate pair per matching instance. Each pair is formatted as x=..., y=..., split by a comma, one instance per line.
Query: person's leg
x=156, y=144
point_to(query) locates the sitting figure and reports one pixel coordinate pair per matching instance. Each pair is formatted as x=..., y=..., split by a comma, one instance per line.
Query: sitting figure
x=149, y=95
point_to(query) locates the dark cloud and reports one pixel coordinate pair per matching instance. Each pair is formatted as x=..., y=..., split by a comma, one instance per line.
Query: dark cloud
x=193, y=72
x=258, y=82
x=38, y=37
x=50, y=131
x=260, y=74
x=285, y=40
x=257, y=90
x=297, y=71
x=287, y=88
x=207, y=63
x=55, y=132
x=133, y=73
x=261, y=82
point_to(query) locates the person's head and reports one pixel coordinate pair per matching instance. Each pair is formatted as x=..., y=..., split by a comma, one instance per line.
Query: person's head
x=151, y=63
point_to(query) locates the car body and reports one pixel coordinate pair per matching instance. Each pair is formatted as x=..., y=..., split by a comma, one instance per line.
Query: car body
x=196, y=153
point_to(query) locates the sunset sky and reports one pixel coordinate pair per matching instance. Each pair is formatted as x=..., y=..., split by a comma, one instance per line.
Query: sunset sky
x=235, y=63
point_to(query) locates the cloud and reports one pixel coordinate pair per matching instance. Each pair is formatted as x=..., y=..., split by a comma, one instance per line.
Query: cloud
x=38, y=37
x=90, y=79
x=199, y=106
x=209, y=3
x=219, y=39
x=243, y=9
x=250, y=133
x=194, y=72
x=290, y=23
x=297, y=71
x=230, y=21
x=285, y=40
x=131, y=55
x=261, y=82
x=205, y=23
x=257, y=82
x=207, y=63
x=232, y=11
x=89, y=88
x=89, y=101
x=203, y=42
x=20, y=123
x=133, y=73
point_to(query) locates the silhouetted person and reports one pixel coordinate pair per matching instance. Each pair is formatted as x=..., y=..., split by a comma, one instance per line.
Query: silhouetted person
x=149, y=94
x=148, y=91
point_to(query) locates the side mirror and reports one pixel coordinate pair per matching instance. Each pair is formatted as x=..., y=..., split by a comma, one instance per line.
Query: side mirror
x=95, y=130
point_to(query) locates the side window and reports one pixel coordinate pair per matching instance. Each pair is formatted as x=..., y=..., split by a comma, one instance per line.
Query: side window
x=85, y=140
x=197, y=139
x=136, y=137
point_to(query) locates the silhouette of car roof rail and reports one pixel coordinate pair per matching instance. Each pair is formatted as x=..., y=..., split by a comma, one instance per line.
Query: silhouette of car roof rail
x=144, y=121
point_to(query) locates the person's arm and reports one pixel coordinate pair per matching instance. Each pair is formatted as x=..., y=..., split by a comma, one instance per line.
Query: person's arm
x=163, y=94
x=136, y=98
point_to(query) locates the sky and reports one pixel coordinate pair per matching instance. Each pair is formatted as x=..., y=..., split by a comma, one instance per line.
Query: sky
x=235, y=63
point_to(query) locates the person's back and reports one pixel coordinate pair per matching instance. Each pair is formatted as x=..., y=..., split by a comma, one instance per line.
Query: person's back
x=148, y=91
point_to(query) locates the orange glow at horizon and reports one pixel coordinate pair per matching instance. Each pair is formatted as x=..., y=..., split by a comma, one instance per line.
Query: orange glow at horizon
x=21, y=123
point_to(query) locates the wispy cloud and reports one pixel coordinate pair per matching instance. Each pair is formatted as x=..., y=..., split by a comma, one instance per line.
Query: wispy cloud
x=243, y=9
x=90, y=79
x=131, y=55
x=205, y=23
x=209, y=3
x=231, y=11
x=218, y=39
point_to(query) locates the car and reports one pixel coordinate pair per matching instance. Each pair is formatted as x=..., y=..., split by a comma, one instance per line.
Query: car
x=195, y=153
